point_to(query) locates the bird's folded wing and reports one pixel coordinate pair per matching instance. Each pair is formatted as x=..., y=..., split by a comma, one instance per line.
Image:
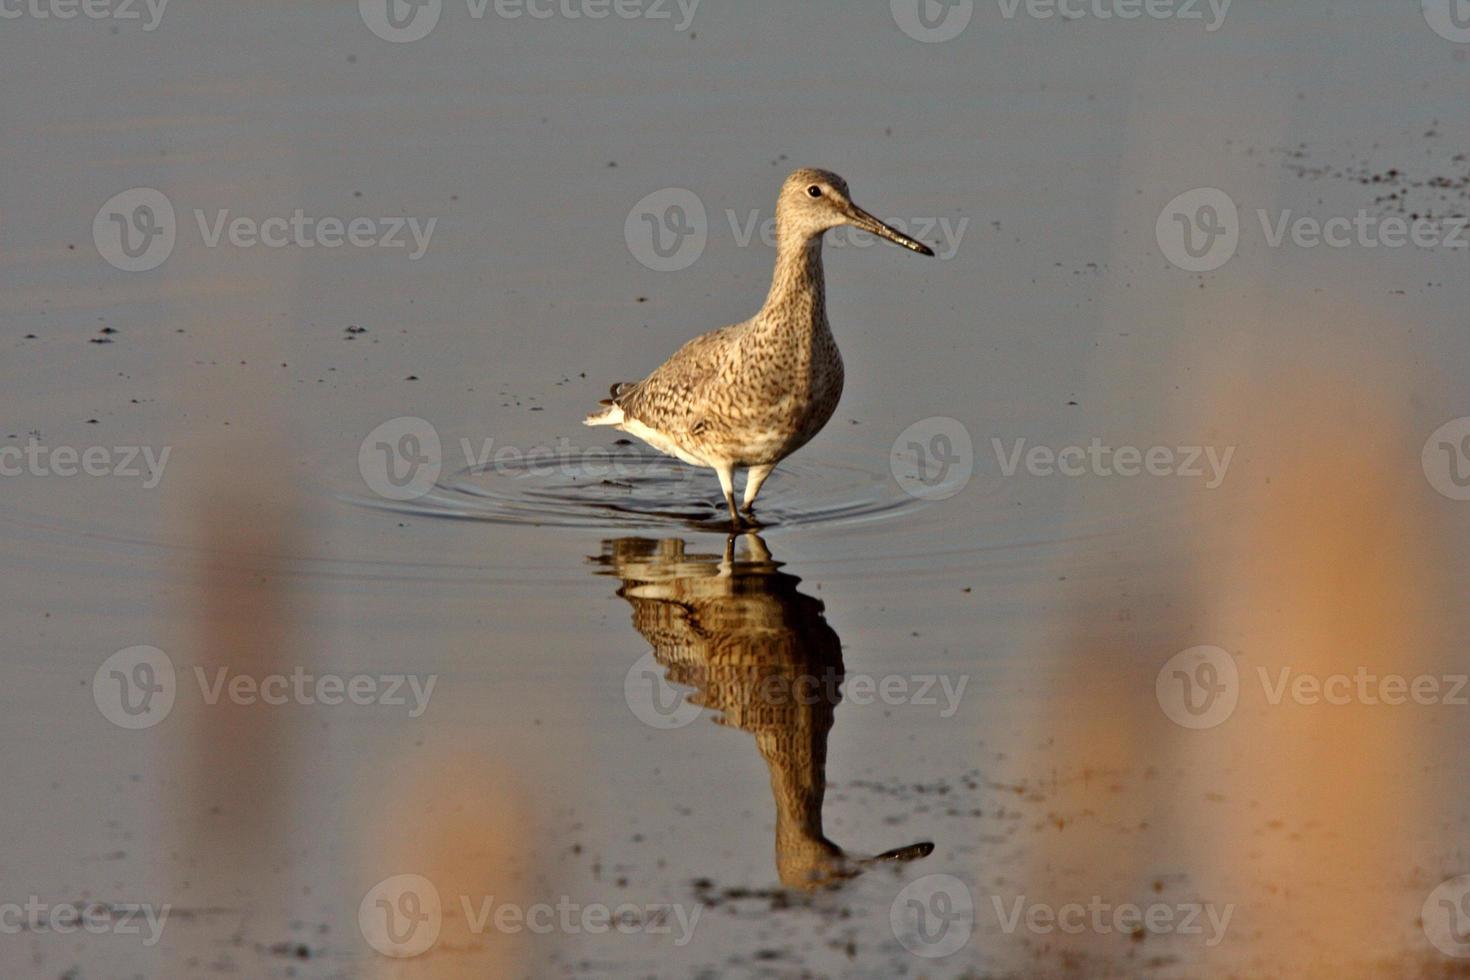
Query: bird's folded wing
x=672, y=397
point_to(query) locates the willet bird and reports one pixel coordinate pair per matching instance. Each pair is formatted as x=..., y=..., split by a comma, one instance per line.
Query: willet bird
x=751, y=394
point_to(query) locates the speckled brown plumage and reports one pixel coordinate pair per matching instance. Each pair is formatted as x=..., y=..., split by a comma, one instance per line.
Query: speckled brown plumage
x=750, y=394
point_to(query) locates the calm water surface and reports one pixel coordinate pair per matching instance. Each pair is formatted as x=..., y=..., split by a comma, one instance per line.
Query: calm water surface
x=889, y=735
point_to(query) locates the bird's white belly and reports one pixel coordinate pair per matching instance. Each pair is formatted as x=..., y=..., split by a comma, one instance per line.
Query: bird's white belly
x=661, y=442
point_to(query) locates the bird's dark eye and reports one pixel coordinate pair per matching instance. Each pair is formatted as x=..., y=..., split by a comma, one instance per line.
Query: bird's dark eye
x=814, y=191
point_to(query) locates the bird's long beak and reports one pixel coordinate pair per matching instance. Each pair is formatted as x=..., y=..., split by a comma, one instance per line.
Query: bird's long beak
x=868, y=223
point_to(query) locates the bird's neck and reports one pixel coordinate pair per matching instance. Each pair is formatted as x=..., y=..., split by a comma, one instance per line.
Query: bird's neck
x=797, y=296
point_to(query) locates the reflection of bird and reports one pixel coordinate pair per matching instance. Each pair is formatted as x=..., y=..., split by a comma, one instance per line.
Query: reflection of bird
x=762, y=655
x=751, y=394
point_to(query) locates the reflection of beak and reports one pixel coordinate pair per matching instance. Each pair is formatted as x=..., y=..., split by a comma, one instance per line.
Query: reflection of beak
x=834, y=866
x=867, y=222
x=910, y=853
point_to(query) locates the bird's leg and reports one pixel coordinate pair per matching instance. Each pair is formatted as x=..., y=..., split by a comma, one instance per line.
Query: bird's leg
x=754, y=477
x=726, y=473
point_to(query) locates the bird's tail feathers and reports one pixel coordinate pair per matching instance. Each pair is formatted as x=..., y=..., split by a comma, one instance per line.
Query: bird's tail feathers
x=610, y=413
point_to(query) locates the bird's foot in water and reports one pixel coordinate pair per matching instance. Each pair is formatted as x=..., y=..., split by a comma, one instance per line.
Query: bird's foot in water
x=745, y=520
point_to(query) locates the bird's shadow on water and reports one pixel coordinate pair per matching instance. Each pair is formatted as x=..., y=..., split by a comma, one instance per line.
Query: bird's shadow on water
x=627, y=487
x=731, y=634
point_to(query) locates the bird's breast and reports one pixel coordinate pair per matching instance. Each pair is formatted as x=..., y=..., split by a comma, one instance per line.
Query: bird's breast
x=780, y=399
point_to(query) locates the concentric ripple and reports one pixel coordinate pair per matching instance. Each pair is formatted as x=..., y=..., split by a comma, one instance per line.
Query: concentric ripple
x=629, y=487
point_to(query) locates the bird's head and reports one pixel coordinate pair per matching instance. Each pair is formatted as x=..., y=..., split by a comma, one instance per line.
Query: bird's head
x=814, y=200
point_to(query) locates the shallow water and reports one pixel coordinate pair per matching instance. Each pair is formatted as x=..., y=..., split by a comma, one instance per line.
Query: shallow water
x=600, y=700
x=623, y=487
